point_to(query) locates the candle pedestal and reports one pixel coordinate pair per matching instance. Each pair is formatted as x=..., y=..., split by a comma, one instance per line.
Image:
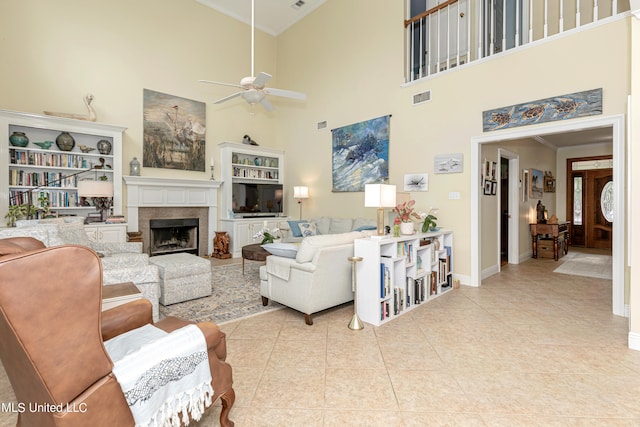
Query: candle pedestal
x=355, y=323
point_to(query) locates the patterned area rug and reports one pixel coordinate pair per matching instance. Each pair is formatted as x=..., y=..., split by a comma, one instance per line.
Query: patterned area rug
x=234, y=296
x=584, y=264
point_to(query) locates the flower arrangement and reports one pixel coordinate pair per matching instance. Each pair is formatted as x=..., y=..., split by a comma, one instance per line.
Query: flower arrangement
x=429, y=220
x=405, y=211
x=267, y=236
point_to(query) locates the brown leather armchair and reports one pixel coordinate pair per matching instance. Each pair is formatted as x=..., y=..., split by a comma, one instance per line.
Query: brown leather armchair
x=51, y=338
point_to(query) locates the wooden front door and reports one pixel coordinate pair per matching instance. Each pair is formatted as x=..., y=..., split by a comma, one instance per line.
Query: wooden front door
x=591, y=228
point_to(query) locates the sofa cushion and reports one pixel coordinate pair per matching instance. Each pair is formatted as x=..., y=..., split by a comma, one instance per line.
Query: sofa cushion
x=310, y=245
x=287, y=250
x=340, y=225
x=322, y=224
x=74, y=233
x=308, y=229
x=294, y=226
x=360, y=224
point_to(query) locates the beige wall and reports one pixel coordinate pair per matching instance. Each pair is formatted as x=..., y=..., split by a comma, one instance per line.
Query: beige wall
x=353, y=76
x=56, y=52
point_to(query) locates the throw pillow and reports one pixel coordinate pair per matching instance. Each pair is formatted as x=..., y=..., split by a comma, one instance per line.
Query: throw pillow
x=322, y=224
x=340, y=225
x=308, y=229
x=295, y=227
x=287, y=250
x=36, y=233
x=366, y=227
x=74, y=233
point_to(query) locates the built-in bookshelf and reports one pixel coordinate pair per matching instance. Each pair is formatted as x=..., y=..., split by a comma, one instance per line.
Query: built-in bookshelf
x=41, y=163
x=397, y=274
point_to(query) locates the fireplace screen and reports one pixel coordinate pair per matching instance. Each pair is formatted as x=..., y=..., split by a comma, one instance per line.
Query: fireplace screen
x=170, y=236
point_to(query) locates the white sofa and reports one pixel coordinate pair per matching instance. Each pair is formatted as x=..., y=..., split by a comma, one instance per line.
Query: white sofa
x=326, y=225
x=319, y=277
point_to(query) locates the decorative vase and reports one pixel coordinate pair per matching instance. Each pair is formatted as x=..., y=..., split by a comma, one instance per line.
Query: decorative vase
x=104, y=146
x=134, y=167
x=406, y=228
x=19, y=139
x=65, y=141
x=234, y=158
x=436, y=244
x=396, y=230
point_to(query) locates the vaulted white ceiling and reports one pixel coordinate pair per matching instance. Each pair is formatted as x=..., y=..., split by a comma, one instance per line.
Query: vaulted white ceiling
x=271, y=16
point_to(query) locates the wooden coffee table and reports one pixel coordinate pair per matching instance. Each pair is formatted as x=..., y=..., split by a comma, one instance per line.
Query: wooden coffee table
x=254, y=252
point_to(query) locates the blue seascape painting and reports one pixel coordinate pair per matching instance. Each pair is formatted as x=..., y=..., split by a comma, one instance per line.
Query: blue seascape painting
x=570, y=106
x=360, y=155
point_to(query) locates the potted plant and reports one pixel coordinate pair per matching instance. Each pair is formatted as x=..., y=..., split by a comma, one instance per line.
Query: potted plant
x=267, y=236
x=429, y=223
x=18, y=211
x=405, y=213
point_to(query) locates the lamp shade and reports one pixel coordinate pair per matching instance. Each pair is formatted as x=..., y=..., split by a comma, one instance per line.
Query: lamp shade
x=95, y=189
x=300, y=192
x=379, y=196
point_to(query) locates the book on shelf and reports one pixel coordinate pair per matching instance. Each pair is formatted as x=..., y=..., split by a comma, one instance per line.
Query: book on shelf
x=115, y=219
x=385, y=281
x=434, y=283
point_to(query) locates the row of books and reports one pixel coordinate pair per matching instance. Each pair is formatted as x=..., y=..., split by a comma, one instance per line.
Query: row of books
x=57, y=199
x=36, y=179
x=406, y=249
x=414, y=293
x=47, y=159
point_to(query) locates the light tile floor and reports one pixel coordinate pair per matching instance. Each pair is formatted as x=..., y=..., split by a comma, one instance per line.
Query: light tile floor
x=527, y=348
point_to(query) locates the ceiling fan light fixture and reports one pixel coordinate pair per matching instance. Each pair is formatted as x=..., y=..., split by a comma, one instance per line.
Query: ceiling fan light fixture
x=253, y=96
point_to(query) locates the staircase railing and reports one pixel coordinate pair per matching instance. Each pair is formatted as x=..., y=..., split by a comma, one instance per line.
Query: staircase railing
x=456, y=32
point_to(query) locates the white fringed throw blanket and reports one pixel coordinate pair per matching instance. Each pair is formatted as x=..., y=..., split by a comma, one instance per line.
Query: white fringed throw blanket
x=164, y=377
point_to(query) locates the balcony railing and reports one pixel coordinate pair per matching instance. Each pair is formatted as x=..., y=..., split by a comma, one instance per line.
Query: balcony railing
x=455, y=32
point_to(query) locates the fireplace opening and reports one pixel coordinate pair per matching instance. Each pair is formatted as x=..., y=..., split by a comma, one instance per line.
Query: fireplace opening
x=169, y=236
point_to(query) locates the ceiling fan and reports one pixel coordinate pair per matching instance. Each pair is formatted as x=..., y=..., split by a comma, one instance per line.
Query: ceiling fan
x=253, y=88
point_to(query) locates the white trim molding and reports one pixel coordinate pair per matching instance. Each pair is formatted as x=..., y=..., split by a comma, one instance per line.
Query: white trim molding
x=146, y=192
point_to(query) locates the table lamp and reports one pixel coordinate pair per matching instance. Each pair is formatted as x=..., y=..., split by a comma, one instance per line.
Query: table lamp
x=101, y=193
x=380, y=196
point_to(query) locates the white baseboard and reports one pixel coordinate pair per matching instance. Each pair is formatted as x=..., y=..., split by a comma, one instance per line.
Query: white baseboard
x=634, y=341
x=488, y=272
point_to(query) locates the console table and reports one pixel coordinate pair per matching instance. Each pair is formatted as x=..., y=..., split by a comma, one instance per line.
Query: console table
x=555, y=230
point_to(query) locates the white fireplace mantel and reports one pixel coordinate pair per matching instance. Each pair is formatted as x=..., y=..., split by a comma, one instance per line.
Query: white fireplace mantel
x=143, y=192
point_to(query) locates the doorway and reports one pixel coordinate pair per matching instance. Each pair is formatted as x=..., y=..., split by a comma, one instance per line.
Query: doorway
x=589, y=201
x=616, y=124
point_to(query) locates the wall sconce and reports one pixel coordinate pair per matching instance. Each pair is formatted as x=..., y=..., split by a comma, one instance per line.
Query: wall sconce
x=101, y=193
x=300, y=192
x=380, y=196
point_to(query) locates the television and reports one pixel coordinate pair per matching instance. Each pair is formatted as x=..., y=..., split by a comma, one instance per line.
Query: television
x=256, y=199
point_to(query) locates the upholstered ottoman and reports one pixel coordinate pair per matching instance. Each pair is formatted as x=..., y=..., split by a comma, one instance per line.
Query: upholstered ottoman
x=183, y=277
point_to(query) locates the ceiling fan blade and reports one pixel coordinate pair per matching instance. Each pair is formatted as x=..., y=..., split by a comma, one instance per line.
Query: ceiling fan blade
x=261, y=80
x=267, y=105
x=286, y=93
x=226, y=98
x=221, y=84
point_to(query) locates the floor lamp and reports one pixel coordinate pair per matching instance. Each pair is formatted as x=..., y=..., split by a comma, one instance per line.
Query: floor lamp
x=380, y=196
x=300, y=192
